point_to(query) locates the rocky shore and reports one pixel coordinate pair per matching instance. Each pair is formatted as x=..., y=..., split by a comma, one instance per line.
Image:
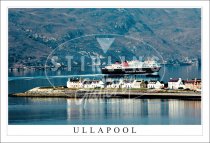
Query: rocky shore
x=107, y=93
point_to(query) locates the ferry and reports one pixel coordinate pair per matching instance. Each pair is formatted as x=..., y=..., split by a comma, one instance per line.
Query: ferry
x=132, y=67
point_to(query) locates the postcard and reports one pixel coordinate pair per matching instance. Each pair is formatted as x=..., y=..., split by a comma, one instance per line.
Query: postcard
x=81, y=71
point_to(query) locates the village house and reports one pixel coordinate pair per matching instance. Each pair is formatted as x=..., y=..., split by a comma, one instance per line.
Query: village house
x=74, y=83
x=194, y=84
x=153, y=84
x=114, y=84
x=175, y=84
x=93, y=84
x=87, y=84
x=127, y=84
x=109, y=84
x=139, y=84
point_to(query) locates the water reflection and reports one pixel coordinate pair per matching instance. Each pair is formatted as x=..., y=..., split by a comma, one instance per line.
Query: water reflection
x=104, y=111
x=133, y=111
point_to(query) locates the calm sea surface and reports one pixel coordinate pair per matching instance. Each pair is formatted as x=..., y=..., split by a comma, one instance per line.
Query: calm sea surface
x=103, y=111
x=44, y=111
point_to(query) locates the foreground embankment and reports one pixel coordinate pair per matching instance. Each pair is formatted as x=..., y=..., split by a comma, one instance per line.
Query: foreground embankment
x=107, y=93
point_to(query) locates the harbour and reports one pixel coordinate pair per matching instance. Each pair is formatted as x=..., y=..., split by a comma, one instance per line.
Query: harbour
x=124, y=106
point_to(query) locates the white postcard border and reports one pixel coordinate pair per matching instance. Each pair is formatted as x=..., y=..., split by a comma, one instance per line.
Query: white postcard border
x=57, y=133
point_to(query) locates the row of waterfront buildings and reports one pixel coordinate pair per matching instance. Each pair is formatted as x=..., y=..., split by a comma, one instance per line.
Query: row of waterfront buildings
x=194, y=84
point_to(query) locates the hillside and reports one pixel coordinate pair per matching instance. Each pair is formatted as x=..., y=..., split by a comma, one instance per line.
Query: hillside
x=34, y=33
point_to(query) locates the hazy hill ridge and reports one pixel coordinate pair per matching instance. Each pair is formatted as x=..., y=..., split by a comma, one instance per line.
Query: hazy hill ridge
x=33, y=33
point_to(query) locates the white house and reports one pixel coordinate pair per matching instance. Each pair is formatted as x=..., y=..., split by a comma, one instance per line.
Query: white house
x=154, y=85
x=194, y=84
x=93, y=84
x=175, y=83
x=138, y=84
x=98, y=84
x=74, y=83
x=114, y=84
x=127, y=84
x=87, y=84
x=109, y=84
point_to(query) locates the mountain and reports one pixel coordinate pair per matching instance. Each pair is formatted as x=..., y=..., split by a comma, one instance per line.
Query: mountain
x=35, y=33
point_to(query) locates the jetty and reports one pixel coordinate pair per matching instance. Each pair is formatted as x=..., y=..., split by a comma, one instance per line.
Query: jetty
x=63, y=92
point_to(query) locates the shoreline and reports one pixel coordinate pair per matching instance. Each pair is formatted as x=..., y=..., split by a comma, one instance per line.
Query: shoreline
x=62, y=92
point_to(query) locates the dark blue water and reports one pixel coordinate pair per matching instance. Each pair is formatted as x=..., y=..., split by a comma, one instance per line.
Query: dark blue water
x=52, y=111
x=44, y=111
